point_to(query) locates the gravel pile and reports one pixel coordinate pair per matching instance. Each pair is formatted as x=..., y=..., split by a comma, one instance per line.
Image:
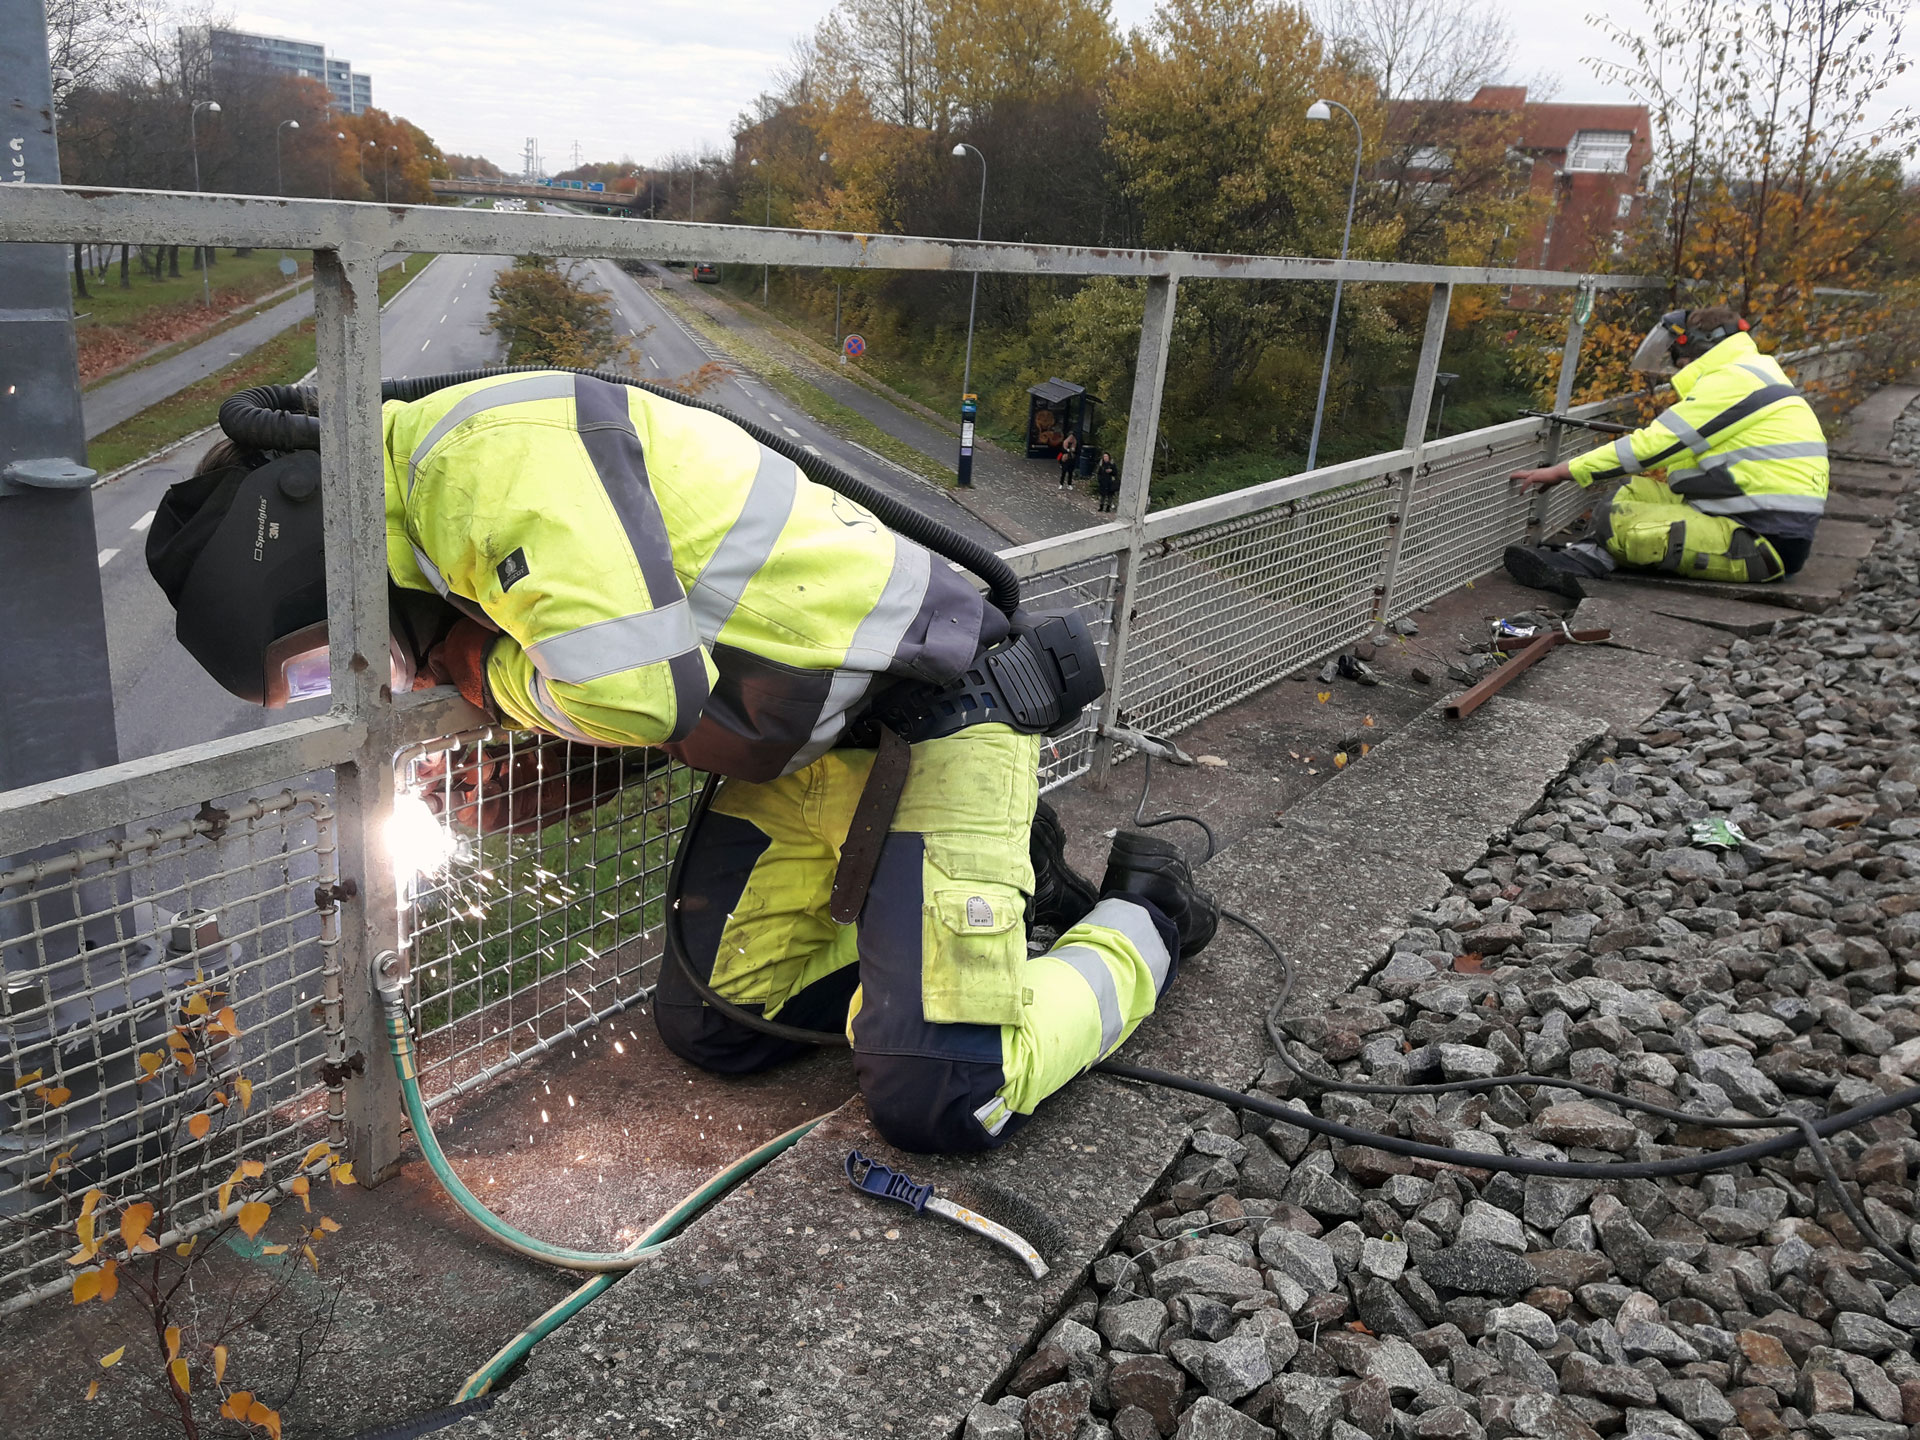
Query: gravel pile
x=1282, y=1285
x=1905, y=444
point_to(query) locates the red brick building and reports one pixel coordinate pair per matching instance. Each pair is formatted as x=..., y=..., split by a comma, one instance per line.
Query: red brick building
x=1588, y=159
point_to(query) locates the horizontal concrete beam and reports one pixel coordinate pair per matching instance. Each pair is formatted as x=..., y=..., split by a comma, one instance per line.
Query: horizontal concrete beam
x=66, y=214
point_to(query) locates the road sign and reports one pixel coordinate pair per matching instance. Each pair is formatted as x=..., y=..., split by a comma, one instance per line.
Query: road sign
x=855, y=347
x=289, y=266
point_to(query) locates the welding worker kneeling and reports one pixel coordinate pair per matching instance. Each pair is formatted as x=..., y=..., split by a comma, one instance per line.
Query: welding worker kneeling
x=1728, y=484
x=619, y=568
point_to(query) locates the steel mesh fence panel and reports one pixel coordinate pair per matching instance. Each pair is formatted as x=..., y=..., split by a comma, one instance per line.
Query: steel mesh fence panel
x=532, y=874
x=171, y=1001
x=1087, y=588
x=1222, y=611
x=1465, y=512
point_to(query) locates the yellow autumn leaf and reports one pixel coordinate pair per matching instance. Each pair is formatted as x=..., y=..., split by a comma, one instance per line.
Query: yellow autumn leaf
x=86, y=1286
x=328, y=1224
x=177, y=1369
x=112, y=1358
x=219, y=1097
x=219, y=1363
x=199, y=1125
x=234, y=1407
x=109, y=1279
x=53, y=1094
x=185, y=1247
x=1324, y=696
x=53, y=1167
x=1366, y=750
x=134, y=1221
x=84, y=1227
x=300, y=1186
x=253, y=1215
x=32, y=1077
x=251, y=1170
x=343, y=1174
x=312, y=1259
x=226, y=1020
x=1340, y=760
x=93, y=1389
x=90, y=1202
x=315, y=1154
x=268, y=1420
x=243, y=1087
x=197, y=1006
x=172, y=1338
x=274, y=1249
x=150, y=1063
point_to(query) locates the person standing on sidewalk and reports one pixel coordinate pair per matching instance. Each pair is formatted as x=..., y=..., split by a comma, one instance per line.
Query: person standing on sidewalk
x=1069, y=454
x=1106, y=479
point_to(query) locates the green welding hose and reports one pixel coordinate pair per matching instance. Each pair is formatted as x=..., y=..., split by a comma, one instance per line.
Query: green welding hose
x=400, y=1043
x=657, y=1235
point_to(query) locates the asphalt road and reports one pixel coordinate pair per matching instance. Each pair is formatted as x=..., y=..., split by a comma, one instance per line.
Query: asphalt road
x=163, y=700
x=161, y=697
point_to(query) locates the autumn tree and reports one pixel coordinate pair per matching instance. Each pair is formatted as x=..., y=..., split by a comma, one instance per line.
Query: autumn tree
x=1778, y=172
x=548, y=317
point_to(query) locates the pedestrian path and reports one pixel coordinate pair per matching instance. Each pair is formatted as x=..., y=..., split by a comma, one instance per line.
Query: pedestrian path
x=1020, y=498
x=126, y=395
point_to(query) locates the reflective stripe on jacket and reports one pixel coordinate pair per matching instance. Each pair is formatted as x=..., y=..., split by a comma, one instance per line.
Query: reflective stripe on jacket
x=1741, y=441
x=660, y=577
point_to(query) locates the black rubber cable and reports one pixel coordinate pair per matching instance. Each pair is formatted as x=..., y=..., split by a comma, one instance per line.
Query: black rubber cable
x=286, y=417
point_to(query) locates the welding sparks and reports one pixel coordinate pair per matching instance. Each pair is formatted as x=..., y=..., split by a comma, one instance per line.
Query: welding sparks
x=418, y=842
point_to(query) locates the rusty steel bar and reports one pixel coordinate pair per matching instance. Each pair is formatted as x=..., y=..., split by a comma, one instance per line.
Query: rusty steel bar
x=1526, y=659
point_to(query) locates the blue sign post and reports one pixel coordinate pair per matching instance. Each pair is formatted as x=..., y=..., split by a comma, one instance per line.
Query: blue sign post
x=969, y=407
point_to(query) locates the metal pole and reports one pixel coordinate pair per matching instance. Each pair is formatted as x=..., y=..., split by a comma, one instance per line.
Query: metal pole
x=56, y=707
x=347, y=339
x=193, y=140
x=1136, y=472
x=1581, y=311
x=765, y=269
x=973, y=301
x=1414, y=438
x=1333, y=321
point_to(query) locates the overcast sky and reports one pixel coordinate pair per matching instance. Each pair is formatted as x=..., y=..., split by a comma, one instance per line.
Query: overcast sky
x=646, y=80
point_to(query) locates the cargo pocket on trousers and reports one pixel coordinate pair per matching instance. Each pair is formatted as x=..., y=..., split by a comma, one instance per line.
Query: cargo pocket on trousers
x=974, y=952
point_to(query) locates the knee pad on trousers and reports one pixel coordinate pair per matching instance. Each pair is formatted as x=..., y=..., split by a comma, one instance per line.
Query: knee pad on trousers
x=932, y=1107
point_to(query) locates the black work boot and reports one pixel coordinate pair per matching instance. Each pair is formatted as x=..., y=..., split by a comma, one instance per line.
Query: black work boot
x=1061, y=896
x=1560, y=571
x=1141, y=867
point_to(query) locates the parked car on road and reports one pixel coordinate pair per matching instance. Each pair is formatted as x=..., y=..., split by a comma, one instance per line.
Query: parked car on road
x=706, y=272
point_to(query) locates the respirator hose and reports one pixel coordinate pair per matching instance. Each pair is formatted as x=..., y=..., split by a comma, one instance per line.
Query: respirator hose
x=285, y=417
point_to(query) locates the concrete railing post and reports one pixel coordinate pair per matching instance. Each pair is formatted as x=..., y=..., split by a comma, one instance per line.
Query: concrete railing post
x=1414, y=439
x=1136, y=473
x=352, y=476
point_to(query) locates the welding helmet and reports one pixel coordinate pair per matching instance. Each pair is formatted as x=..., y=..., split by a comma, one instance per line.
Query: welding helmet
x=239, y=551
x=1680, y=337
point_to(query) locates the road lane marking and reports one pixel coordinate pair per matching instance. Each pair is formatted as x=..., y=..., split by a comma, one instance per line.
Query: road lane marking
x=425, y=343
x=791, y=431
x=744, y=391
x=653, y=362
x=811, y=449
x=442, y=320
x=106, y=555
x=775, y=418
x=142, y=523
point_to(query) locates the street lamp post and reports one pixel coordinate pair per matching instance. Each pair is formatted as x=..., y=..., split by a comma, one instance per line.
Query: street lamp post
x=338, y=135
x=827, y=159
x=212, y=107
x=386, y=180
x=366, y=145
x=764, y=269
x=279, y=172
x=1323, y=110
x=966, y=374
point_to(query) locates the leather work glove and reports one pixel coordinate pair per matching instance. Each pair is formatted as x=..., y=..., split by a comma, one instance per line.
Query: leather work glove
x=522, y=788
x=460, y=660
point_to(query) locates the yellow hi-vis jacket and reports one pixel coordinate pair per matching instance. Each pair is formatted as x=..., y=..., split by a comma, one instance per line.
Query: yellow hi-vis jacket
x=660, y=578
x=1740, y=442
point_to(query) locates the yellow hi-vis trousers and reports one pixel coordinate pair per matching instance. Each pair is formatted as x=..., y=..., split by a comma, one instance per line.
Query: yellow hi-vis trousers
x=1646, y=526
x=957, y=1033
